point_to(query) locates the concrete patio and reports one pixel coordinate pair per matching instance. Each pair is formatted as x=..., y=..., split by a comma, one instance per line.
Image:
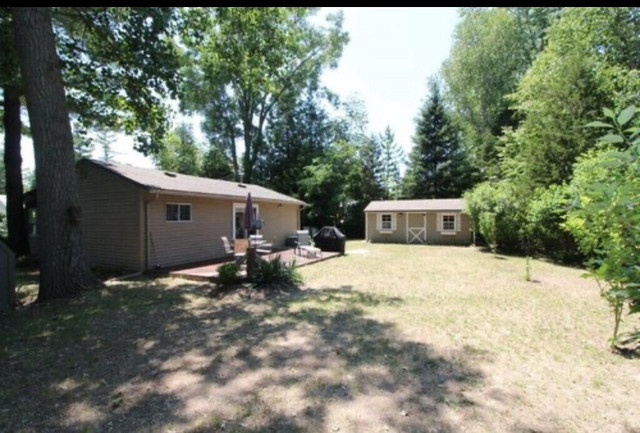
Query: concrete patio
x=207, y=272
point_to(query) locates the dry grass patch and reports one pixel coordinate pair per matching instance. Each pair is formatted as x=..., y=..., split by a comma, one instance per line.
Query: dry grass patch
x=392, y=338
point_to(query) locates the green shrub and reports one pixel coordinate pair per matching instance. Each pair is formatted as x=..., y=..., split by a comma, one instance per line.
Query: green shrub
x=606, y=217
x=276, y=273
x=497, y=214
x=228, y=274
x=544, y=231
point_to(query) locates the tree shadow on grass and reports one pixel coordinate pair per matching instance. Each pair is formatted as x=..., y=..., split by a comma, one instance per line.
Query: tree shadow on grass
x=149, y=358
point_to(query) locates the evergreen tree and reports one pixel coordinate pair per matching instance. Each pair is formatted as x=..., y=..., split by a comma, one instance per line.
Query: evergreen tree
x=437, y=165
x=105, y=139
x=392, y=158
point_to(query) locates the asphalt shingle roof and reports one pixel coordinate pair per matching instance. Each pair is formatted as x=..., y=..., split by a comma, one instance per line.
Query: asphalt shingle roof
x=158, y=180
x=437, y=204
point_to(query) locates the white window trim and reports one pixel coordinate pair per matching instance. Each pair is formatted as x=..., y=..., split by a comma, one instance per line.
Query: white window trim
x=394, y=221
x=456, y=224
x=178, y=220
x=241, y=206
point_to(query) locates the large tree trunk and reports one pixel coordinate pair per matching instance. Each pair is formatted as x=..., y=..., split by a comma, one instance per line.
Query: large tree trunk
x=63, y=268
x=16, y=221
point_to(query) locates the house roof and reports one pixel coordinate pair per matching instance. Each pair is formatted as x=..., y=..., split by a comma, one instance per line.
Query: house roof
x=437, y=204
x=3, y=203
x=170, y=182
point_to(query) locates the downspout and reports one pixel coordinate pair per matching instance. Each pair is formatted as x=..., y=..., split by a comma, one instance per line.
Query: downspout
x=146, y=231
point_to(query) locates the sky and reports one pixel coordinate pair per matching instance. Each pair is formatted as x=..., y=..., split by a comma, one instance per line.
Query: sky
x=391, y=54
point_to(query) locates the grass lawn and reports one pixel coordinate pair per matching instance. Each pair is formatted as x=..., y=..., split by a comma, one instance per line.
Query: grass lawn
x=388, y=338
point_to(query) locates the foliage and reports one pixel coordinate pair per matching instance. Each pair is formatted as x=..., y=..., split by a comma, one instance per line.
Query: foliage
x=119, y=65
x=298, y=131
x=605, y=217
x=438, y=165
x=2, y=176
x=528, y=269
x=327, y=185
x=179, y=152
x=228, y=274
x=491, y=51
x=497, y=213
x=392, y=159
x=544, y=232
x=247, y=61
x=276, y=274
x=590, y=61
x=216, y=165
x=105, y=139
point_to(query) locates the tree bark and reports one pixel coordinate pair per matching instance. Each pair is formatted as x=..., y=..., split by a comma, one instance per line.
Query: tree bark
x=63, y=268
x=16, y=217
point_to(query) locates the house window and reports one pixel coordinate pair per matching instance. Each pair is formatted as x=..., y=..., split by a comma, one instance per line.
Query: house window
x=386, y=222
x=178, y=212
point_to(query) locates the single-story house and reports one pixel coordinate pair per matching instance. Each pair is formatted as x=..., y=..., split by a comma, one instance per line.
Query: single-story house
x=137, y=218
x=435, y=221
x=3, y=203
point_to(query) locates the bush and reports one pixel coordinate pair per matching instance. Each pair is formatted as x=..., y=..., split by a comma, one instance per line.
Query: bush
x=276, y=273
x=228, y=274
x=545, y=232
x=606, y=218
x=497, y=214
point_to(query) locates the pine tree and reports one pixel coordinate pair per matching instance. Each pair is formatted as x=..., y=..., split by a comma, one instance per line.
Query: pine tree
x=438, y=165
x=392, y=158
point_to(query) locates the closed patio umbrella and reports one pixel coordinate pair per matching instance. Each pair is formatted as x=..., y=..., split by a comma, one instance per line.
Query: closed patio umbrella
x=249, y=217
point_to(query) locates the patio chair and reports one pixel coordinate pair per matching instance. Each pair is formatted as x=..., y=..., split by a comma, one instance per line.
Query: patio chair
x=303, y=240
x=238, y=251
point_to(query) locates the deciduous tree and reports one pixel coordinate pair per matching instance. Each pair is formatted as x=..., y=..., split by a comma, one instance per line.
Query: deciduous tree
x=63, y=268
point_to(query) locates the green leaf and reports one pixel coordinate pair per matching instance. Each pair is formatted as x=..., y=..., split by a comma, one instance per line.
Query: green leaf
x=626, y=114
x=609, y=113
x=598, y=124
x=611, y=138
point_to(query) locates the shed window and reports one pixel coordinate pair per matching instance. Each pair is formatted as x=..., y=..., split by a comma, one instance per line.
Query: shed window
x=178, y=212
x=448, y=223
x=386, y=222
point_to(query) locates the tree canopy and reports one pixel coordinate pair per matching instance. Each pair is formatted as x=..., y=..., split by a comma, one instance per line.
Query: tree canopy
x=249, y=60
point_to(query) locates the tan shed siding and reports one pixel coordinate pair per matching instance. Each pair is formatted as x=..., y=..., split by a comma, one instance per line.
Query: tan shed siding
x=462, y=237
x=174, y=243
x=399, y=235
x=111, y=230
x=279, y=221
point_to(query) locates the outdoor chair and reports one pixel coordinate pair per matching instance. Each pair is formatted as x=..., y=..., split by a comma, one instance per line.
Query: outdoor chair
x=238, y=251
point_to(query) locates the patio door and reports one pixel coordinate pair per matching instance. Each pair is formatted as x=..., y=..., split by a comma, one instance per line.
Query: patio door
x=238, y=220
x=416, y=228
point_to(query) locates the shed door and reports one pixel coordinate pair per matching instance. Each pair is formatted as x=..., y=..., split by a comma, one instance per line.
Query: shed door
x=416, y=228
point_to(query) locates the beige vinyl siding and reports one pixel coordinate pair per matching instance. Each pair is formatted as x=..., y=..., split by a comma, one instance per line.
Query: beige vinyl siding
x=111, y=231
x=399, y=235
x=175, y=243
x=461, y=237
x=279, y=221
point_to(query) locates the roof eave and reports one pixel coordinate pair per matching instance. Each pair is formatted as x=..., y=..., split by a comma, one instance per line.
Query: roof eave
x=153, y=190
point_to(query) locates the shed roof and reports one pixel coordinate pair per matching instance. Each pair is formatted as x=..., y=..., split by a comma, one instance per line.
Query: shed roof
x=437, y=204
x=175, y=183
